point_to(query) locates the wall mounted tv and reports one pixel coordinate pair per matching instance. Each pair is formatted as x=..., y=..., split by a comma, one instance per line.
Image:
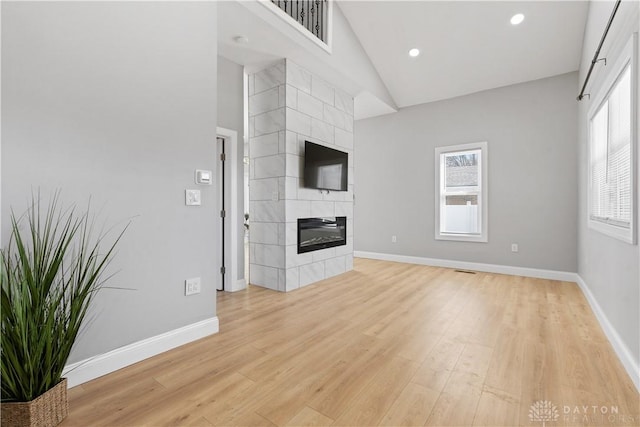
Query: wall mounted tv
x=324, y=167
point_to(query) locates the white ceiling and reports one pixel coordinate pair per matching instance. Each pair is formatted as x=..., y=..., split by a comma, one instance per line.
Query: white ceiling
x=465, y=46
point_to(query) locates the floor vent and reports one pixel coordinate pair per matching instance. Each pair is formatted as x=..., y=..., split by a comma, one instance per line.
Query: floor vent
x=466, y=271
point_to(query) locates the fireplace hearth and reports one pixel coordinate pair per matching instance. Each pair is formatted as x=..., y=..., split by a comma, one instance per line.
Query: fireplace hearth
x=321, y=233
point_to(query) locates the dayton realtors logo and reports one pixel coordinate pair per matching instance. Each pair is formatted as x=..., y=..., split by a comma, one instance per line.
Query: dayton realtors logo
x=543, y=411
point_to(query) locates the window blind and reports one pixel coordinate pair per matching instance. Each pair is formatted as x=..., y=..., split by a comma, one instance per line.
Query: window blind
x=611, y=156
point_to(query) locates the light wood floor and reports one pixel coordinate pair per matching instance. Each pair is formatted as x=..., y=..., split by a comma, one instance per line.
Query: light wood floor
x=385, y=344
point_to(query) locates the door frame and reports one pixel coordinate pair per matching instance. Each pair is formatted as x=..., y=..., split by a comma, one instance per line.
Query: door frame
x=232, y=282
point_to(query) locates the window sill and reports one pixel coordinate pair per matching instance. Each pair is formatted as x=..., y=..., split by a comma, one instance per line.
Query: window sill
x=462, y=238
x=627, y=235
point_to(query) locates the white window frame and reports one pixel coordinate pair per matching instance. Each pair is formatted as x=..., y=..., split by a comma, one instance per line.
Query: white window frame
x=626, y=57
x=483, y=194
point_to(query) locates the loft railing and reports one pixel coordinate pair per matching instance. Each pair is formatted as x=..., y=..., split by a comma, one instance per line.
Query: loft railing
x=311, y=14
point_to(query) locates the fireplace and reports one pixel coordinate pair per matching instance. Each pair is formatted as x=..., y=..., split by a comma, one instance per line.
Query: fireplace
x=321, y=233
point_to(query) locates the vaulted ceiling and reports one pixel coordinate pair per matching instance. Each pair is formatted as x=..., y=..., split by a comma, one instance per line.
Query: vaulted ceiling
x=466, y=47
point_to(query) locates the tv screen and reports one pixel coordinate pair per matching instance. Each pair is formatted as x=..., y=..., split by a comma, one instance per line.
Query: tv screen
x=324, y=167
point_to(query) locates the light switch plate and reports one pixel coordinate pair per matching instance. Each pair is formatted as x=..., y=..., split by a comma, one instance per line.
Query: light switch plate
x=192, y=197
x=204, y=177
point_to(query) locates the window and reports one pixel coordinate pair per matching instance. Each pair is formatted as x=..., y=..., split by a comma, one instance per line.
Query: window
x=461, y=192
x=611, y=151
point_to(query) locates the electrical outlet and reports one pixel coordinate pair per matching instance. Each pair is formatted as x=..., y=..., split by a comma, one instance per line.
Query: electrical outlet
x=394, y=239
x=192, y=286
x=514, y=247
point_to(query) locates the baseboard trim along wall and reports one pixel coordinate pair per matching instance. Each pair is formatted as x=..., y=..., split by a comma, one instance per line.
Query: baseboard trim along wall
x=632, y=367
x=620, y=348
x=238, y=285
x=475, y=266
x=94, y=367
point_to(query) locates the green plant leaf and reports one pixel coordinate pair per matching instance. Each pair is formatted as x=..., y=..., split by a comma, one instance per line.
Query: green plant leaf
x=50, y=272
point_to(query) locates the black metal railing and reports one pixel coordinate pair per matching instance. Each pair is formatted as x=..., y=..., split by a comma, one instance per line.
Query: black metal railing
x=311, y=14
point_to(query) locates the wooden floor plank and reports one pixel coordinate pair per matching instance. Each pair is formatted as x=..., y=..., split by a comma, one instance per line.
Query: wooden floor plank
x=308, y=417
x=496, y=408
x=376, y=398
x=457, y=404
x=412, y=407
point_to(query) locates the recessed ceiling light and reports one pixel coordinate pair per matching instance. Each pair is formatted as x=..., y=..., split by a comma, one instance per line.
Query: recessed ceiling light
x=517, y=19
x=241, y=39
x=414, y=52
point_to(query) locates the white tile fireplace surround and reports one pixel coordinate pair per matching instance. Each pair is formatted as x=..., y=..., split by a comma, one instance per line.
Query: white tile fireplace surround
x=288, y=105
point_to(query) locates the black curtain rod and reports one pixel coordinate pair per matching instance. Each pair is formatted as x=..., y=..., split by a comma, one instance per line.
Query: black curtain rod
x=595, y=57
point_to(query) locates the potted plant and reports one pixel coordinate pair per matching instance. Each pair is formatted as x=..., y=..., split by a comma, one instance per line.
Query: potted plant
x=50, y=272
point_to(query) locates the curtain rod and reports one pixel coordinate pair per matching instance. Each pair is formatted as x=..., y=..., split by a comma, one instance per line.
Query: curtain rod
x=595, y=57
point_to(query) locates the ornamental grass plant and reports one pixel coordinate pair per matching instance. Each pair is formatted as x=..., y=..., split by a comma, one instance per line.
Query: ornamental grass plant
x=51, y=270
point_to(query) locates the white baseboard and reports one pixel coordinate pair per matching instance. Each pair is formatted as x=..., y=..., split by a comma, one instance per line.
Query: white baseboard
x=94, y=367
x=475, y=266
x=622, y=351
x=239, y=285
x=632, y=367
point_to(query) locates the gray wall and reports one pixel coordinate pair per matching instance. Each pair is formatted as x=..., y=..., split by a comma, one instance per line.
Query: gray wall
x=231, y=116
x=117, y=101
x=608, y=266
x=531, y=133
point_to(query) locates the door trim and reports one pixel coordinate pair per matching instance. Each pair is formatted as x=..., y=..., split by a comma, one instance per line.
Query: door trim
x=232, y=282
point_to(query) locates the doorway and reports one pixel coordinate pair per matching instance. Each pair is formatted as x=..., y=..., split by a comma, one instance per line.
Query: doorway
x=230, y=258
x=223, y=191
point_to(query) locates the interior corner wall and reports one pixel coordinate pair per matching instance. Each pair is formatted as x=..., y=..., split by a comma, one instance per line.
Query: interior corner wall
x=117, y=101
x=231, y=116
x=531, y=133
x=289, y=105
x=610, y=268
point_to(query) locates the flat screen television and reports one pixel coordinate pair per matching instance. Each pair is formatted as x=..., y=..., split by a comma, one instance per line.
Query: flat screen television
x=325, y=168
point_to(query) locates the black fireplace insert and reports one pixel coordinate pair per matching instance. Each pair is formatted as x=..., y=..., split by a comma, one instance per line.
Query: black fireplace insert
x=321, y=233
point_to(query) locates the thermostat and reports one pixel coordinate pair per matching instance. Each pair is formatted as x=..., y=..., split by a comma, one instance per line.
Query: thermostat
x=204, y=177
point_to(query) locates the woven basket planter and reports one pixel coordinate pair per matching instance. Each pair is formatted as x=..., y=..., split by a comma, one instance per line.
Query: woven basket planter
x=46, y=410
